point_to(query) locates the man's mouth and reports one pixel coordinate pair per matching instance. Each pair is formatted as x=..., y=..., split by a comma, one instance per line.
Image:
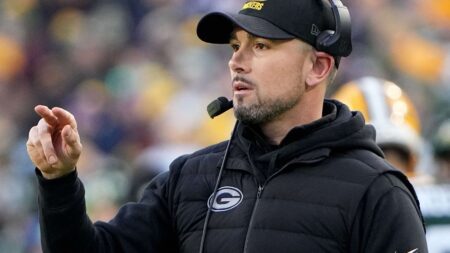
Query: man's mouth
x=239, y=85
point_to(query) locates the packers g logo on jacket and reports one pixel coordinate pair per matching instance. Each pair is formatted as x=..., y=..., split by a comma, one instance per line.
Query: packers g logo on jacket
x=227, y=198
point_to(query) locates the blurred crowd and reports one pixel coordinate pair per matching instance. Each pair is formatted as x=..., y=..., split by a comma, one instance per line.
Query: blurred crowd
x=138, y=81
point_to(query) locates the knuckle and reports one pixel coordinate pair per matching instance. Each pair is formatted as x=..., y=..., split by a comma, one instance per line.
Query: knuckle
x=43, y=125
x=30, y=143
x=32, y=132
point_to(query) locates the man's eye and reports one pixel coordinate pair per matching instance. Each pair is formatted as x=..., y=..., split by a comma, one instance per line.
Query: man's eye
x=235, y=47
x=260, y=45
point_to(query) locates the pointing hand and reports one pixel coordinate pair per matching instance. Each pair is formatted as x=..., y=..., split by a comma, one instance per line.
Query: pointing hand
x=54, y=143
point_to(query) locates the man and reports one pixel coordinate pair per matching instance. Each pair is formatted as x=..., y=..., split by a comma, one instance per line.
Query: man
x=435, y=198
x=300, y=175
x=441, y=144
x=391, y=111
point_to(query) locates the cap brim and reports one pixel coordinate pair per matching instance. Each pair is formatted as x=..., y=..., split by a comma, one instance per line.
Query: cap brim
x=216, y=27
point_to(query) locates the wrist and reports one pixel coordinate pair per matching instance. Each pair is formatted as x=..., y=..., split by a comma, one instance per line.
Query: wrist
x=60, y=192
x=56, y=174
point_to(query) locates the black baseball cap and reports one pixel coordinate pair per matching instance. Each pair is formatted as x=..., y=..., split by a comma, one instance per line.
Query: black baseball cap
x=275, y=19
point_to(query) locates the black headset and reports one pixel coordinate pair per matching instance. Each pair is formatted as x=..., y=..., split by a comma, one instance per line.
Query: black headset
x=338, y=41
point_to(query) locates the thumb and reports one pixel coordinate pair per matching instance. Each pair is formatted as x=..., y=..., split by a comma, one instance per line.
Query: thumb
x=72, y=142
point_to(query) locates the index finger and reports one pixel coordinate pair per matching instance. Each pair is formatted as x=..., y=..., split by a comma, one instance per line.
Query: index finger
x=65, y=117
x=46, y=114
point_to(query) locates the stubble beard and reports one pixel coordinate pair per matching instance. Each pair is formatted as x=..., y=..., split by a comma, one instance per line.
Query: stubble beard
x=263, y=111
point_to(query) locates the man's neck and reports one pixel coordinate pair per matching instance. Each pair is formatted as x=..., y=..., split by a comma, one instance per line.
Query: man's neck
x=276, y=130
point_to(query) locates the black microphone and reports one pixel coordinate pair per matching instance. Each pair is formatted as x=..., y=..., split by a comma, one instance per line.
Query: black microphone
x=219, y=106
x=215, y=108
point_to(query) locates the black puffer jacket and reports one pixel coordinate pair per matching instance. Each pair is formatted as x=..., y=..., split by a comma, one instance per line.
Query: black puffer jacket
x=326, y=188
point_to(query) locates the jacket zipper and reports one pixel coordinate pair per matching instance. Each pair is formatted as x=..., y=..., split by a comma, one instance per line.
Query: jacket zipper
x=250, y=225
x=258, y=197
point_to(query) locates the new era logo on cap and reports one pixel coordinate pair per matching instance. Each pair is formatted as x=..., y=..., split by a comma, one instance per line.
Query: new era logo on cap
x=315, y=30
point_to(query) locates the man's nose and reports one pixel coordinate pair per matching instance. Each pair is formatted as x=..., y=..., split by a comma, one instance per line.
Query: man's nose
x=240, y=61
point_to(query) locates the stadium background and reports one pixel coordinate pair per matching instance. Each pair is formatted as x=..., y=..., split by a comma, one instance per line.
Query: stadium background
x=138, y=81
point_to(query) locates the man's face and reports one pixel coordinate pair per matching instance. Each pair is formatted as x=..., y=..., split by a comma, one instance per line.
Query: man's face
x=267, y=76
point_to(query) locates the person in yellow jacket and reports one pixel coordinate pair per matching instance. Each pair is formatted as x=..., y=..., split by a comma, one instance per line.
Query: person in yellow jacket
x=386, y=106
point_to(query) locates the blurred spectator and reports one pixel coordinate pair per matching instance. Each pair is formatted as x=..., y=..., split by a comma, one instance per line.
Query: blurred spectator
x=386, y=106
x=441, y=141
x=435, y=199
x=409, y=43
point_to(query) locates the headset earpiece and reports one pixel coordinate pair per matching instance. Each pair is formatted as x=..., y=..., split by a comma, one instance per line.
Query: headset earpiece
x=338, y=41
x=324, y=40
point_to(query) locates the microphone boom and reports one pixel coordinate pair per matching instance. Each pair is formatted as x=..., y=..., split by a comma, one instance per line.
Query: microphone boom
x=219, y=106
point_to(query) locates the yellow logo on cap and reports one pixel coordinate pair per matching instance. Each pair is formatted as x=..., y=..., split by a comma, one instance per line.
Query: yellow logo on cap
x=255, y=5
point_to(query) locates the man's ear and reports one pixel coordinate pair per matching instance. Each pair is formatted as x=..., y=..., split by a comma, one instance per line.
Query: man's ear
x=322, y=65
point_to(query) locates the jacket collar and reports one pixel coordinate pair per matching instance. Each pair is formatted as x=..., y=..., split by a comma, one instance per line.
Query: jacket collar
x=338, y=129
